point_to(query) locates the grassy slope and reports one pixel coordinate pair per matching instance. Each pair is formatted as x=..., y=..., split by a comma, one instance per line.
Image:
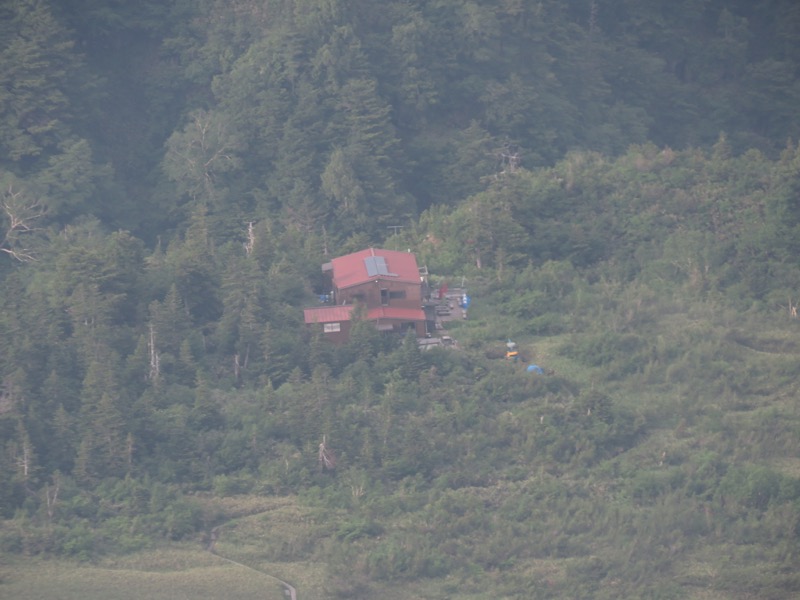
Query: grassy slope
x=177, y=573
x=730, y=395
x=691, y=412
x=699, y=406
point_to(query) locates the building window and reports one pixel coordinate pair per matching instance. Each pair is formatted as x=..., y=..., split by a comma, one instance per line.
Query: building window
x=384, y=296
x=331, y=327
x=398, y=295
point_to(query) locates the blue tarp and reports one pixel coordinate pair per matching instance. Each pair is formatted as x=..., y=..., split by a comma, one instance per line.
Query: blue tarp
x=535, y=369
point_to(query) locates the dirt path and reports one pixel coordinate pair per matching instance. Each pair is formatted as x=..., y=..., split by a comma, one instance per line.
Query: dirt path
x=289, y=590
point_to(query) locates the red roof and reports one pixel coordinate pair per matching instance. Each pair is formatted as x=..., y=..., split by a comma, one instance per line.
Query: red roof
x=334, y=314
x=328, y=314
x=401, y=314
x=366, y=265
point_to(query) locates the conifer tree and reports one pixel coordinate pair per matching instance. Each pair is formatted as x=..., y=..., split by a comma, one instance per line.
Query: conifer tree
x=411, y=360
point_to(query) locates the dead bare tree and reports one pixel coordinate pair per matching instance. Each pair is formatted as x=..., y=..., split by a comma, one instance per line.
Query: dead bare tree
x=51, y=495
x=791, y=308
x=197, y=155
x=21, y=214
x=508, y=158
x=327, y=460
x=237, y=367
x=251, y=239
x=155, y=359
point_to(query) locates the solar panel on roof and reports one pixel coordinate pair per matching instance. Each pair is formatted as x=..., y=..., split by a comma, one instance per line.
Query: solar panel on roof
x=376, y=265
x=372, y=268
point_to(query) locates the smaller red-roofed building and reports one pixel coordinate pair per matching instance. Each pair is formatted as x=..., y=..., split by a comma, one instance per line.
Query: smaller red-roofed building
x=386, y=282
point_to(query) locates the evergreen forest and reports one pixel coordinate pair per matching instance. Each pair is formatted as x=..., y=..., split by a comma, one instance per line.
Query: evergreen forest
x=615, y=182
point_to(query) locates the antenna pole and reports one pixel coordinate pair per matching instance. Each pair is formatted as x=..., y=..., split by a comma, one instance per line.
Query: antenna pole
x=396, y=229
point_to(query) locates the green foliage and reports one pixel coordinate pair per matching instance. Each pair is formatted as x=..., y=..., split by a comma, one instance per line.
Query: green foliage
x=564, y=162
x=37, y=53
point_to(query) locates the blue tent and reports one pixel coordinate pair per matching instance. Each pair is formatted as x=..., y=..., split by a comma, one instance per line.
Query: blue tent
x=535, y=369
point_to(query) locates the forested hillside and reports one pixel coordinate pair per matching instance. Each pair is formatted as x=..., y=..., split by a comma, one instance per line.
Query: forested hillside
x=616, y=183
